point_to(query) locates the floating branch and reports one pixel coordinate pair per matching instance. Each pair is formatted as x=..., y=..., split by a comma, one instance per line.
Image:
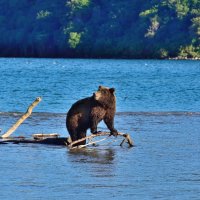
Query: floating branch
x=126, y=136
x=24, y=117
x=89, y=143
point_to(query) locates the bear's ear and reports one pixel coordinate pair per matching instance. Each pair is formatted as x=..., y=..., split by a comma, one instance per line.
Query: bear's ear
x=112, y=90
x=100, y=87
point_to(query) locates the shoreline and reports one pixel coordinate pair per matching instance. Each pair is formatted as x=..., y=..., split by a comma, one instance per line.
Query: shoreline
x=183, y=58
x=99, y=58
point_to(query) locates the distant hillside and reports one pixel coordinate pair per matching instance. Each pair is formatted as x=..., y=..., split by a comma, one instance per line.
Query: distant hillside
x=100, y=28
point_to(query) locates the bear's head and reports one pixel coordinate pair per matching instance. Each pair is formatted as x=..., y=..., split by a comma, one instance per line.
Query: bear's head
x=105, y=96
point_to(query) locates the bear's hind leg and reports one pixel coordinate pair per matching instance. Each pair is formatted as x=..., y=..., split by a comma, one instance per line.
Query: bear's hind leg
x=73, y=134
x=81, y=134
x=76, y=135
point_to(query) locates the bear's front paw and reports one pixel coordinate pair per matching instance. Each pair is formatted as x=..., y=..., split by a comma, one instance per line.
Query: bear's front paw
x=114, y=133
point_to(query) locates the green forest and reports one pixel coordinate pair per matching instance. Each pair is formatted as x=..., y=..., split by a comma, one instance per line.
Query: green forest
x=100, y=28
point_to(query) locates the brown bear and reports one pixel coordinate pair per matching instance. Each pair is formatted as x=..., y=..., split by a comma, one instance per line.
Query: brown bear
x=87, y=113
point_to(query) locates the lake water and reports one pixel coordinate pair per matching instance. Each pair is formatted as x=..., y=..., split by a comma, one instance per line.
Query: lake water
x=158, y=103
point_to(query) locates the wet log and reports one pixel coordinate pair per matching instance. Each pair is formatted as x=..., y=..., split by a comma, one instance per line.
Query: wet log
x=53, y=139
x=126, y=136
x=40, y=136
x=23, y=117
x=61, y=141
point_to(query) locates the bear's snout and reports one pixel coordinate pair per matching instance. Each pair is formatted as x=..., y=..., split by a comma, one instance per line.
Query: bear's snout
x=97, y=95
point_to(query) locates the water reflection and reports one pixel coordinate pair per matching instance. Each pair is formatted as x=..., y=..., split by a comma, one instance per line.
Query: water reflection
x=95, y=162
x=92, y=155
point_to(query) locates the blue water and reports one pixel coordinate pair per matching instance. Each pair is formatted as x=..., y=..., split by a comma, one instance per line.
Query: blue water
x=157, y=103
x=147, y=85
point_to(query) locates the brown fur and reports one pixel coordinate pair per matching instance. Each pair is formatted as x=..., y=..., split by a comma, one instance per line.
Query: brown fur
x=87, y=113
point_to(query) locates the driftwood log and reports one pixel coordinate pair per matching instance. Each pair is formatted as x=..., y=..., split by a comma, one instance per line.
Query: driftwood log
x=23, y=117
x=64, y=141
x=61, y=141
x=126, y=136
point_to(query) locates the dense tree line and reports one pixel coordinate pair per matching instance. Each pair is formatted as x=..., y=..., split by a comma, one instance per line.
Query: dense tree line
x=100, y=28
